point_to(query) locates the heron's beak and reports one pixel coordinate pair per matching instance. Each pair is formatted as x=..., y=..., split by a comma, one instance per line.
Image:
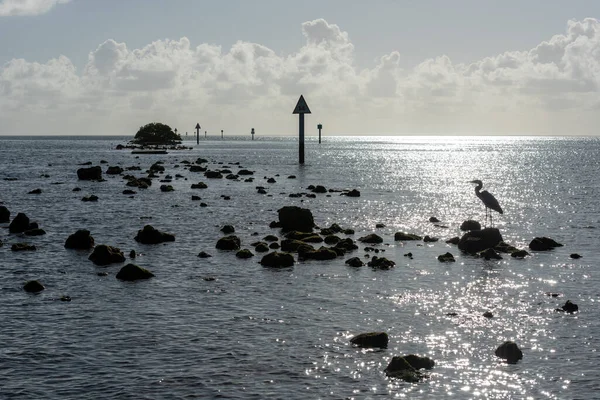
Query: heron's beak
x=472, y=181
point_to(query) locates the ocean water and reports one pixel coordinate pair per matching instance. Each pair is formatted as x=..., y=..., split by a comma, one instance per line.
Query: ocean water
x=258, y=333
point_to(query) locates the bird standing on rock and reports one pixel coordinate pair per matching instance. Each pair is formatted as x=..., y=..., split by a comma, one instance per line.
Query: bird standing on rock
x=488, y=200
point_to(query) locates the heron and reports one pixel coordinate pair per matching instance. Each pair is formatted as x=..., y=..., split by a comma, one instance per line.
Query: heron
x=488, y=199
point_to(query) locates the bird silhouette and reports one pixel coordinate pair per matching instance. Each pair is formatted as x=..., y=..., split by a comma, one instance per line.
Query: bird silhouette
x=488, y=200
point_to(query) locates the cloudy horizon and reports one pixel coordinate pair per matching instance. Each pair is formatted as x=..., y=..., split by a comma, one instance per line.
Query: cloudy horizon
x=549, y=87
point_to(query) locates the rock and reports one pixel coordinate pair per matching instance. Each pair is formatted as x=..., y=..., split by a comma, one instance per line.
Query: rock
x=132, y=272
x=199, y=185
x=355, y=262
x=379, y=226
x=228, y=243
x=35, y=232
x=380, y=263
x=489, y=254
x=371, y=340
x=294, y=218
x=505, y=248
x=271, y=180
x=430, y=239
x=132, y=254
x=448, y=257
x=261, y=191
x=197, y=168
x=520, y=254
x=213, y=175
x=166, y=188
x=274, y=246
x=319, y=189
x=4, y=214
x=204, y=254
x=104, y=255
x=116, y=170
x=275, y=224
x=245, y=253
x=569, y=307
x=35, y=191
x=407, y=367
x=261, y=248
x=470, y=225
x=81, y=240
x=129, y=191
x=403, y=237
x=19, y=224
x=65, y=298
x=475, y=241
x=33, y=287
x=321, y=254
x=271, y=238
x=277, y=260
x=575, y=256
x=433, y=219
x=150, y=235
x=196, y=198
x=488, y=314
x=92, y=198
x=543, y=244
x=351, y=193
x=291, y=244
x=157, y=167
x=453, y=240
x=409, y=255
x=510, y=352
x=372, y=238
x=332, y=239
x=227, y=229
x=22, y=247
x=90, y=174
x=245, y=172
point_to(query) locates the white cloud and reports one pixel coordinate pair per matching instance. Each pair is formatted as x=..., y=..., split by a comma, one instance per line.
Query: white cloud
x=540, y=90
x=27, y=7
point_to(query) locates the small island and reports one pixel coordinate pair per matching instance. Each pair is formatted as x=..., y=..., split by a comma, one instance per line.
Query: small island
x=154, y=138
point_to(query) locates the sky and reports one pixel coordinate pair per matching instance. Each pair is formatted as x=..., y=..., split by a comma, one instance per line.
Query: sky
x=382, y=67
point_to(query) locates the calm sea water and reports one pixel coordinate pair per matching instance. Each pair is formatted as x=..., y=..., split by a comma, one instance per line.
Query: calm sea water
x=257, y=333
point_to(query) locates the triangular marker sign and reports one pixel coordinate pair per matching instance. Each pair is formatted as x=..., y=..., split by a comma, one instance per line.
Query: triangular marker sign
x=197, y=126
x=301, y=107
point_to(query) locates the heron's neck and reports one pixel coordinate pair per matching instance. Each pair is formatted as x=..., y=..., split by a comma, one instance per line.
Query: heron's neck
x=478, y=187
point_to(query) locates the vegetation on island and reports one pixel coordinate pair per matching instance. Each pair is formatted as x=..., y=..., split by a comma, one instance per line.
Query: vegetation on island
x=156, y=133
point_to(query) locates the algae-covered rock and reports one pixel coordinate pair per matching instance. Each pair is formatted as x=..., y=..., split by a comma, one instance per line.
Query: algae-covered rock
x=132, y=272
x=277, y=260
x=229, y=243
x=104, y=255
x=372, y=238
x=371, y=340
x=404, y=237
x=151, y=235
x=245, y=253
x=81, y=240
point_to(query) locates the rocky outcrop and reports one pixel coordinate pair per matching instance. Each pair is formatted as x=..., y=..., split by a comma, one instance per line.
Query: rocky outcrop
x=81, y=240
x=403, y=237
x=105, y=255
x=277, y=260
x=475, y=241
x=229, y=243
x=569, y=307
x=33, y=287
x=213, y=175
x=448, y=257
x=470, y=225
x=116, y=170
x=90, y=174
x=227, y=229
x=381, y=263
x=166, y=188
x=150, y=235
x=543, y=244
x=293, y=218
x=20, y=224
x=510, y=352
x=372, y=238
x=351, y=193
x=132, y=272
x=92, y=198
x=355, y=262
x=407, y=367
x=4, y=214
x=371, y=340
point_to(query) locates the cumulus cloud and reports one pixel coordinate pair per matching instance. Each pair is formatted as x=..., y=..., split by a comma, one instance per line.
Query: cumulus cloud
x=27, y=7
x=538, y=90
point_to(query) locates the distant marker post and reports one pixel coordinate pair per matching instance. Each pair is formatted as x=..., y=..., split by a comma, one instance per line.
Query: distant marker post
x=204, y=134
x=301, y=109
x=319, y=127
x=252, y=133
x=221, y=133
x=198, y=133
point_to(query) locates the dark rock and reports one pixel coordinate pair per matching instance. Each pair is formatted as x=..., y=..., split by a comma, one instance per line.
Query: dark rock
x=380, y=263
x=510, y=352
x=199, y=185
x=65, y=298
x=433, y=219
x=345, y=245
x=228, y=243
x=104, y=255
x=227, y=229
x=35, y=191
x=22, y=247
x=90, y=174
x=292, y=177
x=575, y=256
x=231, y=177
x=116, y=170
x=505, y=248
x=261, y=191
x=407, y=367
x=132, y=254
x=291, y=244
x=543, y=244
x=245, y=253
x=271, y=180
x=204, y=254
x=470, y=225
x=76, y=189
x=489, y=254
x=488, y=314
x=245, y=172
x=403, y=237
x=348, y=231
x=4, y=214
x=35, y=232
x=270, y=238
x=19, y=224
x=81, y=240
x=157, y=167
x=213, y=175
x=150, y=235
x=91, y=198
x=371, y=238
x=203, y=205
x=261, y=247
x=277, y=260
x=196, y=198
x=129, y=191
x=274, y=246
x=33, y=287
x=319, y=189
x=166, y=188
x=448, y=257
x=569, y=307
x=351, y=193
x=197, y=168
x=475, y=241
x=430, y=239
x=102, y=273
x=453, y=240
x=321, y=254
x=379, y=226
x=355, y=262
x=371, y=340
x=332, y=239
x=409, y=255
x=132, y=272
x=294, y=218
x=520, y=254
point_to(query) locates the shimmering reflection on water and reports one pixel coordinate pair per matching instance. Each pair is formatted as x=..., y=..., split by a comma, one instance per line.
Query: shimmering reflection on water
x=259, y=333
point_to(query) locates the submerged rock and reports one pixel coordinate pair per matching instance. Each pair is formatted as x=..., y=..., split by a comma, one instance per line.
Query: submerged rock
x=33, y=287
x=321, y=254
x=351, y=193
x=150, y=235
x=23, y=247
x=199, y=185
x=80, y=240
x=519, y=254
x=403, y=237
x=407, y=367
x=510, y=352
x=132, y=272
x=489, y=254
x=543, y=244
x=372, y=238
x=227, y=229
x=277, y=260
x=35, y=232
x=90, y=174
x=204, y=254
x=569, y=307
x=228, y=243
x=116, y=170
x=104, y=255
x=371, y=340
x=475, y=241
